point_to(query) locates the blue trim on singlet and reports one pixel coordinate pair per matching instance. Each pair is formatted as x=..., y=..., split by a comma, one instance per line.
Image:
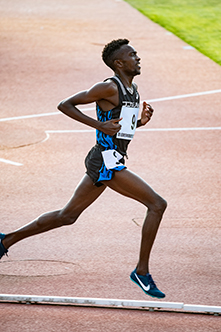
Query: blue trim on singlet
x=103, y=139
x=107, y=142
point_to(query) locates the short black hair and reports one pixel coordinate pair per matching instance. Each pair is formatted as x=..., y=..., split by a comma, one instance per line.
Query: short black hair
x=110, y=50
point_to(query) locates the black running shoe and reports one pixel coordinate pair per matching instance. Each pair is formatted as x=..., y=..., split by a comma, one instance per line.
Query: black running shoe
x=147, y=284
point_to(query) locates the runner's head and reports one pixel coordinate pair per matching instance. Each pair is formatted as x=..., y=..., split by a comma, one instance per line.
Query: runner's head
x=120, y=56
x=111, y=51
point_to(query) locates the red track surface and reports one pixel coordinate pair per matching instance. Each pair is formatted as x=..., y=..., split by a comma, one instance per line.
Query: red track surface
x=49, y=51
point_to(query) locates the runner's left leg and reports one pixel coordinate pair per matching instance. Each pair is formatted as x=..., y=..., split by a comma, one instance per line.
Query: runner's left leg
x=129, y=184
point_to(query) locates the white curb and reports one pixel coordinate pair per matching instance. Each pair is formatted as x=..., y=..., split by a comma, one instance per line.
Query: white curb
x=110, y=303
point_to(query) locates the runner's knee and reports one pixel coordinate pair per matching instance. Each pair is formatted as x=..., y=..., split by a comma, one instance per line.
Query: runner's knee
x=67, y=217
x=159, y=206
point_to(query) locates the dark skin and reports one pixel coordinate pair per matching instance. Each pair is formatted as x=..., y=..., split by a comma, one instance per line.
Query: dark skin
x=126, y=66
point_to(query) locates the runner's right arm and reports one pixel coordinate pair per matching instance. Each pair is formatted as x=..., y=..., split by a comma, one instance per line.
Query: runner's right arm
x=101, y=92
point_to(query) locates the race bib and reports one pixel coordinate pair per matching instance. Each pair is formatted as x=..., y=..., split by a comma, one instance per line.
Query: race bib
x=128, y=123
x=111, y=158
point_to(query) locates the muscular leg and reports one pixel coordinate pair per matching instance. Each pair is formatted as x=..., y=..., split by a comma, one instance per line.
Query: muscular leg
x=85, y=194
x=131, y=185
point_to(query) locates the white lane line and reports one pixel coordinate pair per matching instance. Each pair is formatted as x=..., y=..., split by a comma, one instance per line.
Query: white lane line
x=29, y=116
x=185, y=96
x=10, y=162
x=48, y=132
x=69, y=131
x=93, y=108
x=21, y=117
x=180, y=129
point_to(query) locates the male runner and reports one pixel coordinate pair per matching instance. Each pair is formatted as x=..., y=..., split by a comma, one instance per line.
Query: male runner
x=117, y=103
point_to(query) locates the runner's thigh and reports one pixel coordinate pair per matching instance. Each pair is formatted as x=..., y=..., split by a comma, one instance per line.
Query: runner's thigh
x=85, y=194
x=131, y=185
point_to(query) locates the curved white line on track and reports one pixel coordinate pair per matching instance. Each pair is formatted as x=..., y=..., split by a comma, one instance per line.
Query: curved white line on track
x=48, y=132
x=93, y=108
x=78, y=131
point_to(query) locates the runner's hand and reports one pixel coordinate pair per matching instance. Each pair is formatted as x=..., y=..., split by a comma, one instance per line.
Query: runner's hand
x=110, y=127
x=146, y=113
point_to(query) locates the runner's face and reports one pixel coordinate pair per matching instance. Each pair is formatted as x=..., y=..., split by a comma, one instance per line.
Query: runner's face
x=130, y=60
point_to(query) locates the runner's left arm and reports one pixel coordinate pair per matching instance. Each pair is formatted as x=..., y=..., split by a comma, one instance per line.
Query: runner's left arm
x=146, y=114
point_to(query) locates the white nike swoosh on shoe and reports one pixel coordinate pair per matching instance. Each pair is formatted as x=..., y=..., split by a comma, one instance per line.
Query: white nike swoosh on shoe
x=146, y=288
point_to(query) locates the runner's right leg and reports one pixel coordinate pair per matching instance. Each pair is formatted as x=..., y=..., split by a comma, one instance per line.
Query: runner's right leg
x=85, y=194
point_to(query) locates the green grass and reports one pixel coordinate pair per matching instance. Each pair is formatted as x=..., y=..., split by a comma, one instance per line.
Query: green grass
x=197, y=22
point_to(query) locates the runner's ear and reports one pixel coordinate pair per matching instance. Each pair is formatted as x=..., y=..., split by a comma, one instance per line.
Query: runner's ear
x=118, y=63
